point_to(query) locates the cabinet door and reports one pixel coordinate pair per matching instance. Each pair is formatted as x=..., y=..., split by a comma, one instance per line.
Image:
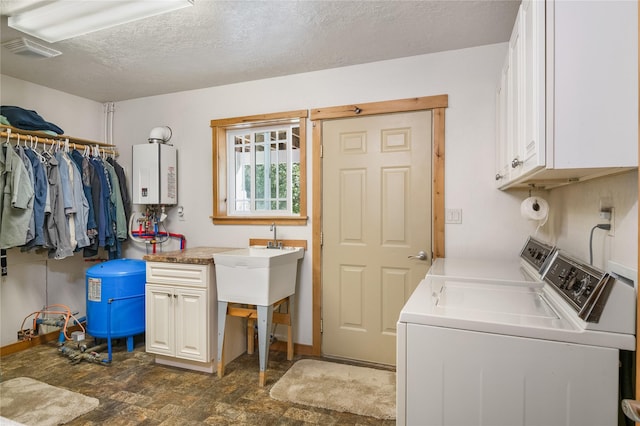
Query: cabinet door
x=533, y=85
x=514, y=100
x=159, y=322
x=502, y=163
x=192, y=333
x=595, y=83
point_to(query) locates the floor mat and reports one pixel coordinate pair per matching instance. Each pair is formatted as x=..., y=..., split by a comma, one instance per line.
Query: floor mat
x=347, y=388
x=30, y=402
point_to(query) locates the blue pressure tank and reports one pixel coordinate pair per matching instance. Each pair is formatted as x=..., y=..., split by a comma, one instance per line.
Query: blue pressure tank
x=115, y=299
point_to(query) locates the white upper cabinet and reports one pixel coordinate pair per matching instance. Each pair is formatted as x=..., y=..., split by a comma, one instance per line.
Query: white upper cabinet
x=502, y=150
x=568, y=105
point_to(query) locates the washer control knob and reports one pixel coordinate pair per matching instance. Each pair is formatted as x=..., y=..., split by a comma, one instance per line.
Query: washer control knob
x=584, y=284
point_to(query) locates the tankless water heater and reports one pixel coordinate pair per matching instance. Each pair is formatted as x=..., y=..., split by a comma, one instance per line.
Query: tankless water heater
x=155, y=174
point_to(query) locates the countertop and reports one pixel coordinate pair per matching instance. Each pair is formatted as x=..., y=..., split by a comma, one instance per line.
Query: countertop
x=196, y=255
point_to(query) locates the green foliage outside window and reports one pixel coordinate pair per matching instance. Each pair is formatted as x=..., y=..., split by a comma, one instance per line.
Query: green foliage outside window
x=282, y=186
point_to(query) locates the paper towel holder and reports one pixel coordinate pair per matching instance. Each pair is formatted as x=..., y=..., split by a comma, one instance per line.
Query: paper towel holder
x=535, y=206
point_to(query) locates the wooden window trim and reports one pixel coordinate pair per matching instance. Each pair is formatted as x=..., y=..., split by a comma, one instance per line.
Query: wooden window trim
x=219, y=130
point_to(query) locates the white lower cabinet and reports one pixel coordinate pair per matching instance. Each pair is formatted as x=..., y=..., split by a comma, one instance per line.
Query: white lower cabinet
x=181, y=314
x=176, y=322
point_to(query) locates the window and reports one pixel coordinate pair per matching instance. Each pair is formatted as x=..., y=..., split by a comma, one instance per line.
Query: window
x=259, y=170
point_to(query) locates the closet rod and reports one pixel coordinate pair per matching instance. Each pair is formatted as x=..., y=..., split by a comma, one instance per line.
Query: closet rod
x=46, y=139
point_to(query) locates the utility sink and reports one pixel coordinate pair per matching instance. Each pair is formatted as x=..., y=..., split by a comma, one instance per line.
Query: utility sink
x=257, y=275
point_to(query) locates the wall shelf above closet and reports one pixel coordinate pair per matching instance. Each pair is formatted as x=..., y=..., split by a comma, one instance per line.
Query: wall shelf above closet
x=13, y=133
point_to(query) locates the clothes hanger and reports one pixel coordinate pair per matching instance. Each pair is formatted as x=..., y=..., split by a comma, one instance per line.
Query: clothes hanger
x=35, y=149
x=47, y=153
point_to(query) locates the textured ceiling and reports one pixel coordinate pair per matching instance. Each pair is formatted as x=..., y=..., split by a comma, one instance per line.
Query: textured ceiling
x=221, y=42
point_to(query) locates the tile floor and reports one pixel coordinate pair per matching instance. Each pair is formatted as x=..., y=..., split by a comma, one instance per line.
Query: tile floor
x=133, y=390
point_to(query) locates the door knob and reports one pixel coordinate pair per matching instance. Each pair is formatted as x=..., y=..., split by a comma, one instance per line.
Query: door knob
x=421, y=255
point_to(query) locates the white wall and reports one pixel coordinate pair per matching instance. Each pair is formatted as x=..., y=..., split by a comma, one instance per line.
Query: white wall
x=575, y=209
x=468, y=76
x=33, y=280
x=78, y=117
x=491, y=225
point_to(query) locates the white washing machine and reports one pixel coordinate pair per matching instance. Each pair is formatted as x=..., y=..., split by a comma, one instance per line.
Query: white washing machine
x=483, y=351
x=526, y=268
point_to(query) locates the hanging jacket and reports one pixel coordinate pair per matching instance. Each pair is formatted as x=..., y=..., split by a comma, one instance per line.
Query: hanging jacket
x=80, y=203
x=67, y=197
x=83, y=165
x=27, y=163
x=16, y=199
x=91, y=175
x=106, y=237
x=124, y=189
x=57, y=238
x=116, y=200
x=40, y=186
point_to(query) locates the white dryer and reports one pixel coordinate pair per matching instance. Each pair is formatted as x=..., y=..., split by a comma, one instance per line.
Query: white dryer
x=494, y=352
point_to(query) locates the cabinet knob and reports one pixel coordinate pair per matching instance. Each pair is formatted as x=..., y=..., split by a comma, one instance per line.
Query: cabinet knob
x=175, y=296
x=515, y=163
x=499, y=176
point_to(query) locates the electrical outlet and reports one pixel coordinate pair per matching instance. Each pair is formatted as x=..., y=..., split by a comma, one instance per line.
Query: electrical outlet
x=612, y=221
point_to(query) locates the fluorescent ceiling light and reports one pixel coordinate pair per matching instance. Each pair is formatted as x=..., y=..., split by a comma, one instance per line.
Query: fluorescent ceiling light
x=64, y=19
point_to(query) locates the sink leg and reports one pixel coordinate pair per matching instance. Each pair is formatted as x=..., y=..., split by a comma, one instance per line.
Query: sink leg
x=290, y=309
x=250, y=335
x=265, y=316
x=222, y=319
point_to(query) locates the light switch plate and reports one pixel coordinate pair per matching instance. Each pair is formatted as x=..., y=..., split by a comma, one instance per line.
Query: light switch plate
x=453, y=216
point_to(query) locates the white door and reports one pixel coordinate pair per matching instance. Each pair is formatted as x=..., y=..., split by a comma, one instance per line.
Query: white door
x=376, y=215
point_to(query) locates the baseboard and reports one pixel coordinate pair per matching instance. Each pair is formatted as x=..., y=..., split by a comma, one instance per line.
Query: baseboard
x=12, y=348
x=204, y=367
x=298, y=349
x=35, y=341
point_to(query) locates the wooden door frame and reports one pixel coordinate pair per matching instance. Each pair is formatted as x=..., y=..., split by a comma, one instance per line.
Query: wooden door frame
x=437, y=105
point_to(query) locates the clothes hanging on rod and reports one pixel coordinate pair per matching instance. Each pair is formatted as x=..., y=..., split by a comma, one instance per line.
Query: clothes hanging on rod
x=69, y=201
x=42, y=138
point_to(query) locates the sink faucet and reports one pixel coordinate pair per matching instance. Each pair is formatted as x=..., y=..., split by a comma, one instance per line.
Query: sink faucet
x=275, y=243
